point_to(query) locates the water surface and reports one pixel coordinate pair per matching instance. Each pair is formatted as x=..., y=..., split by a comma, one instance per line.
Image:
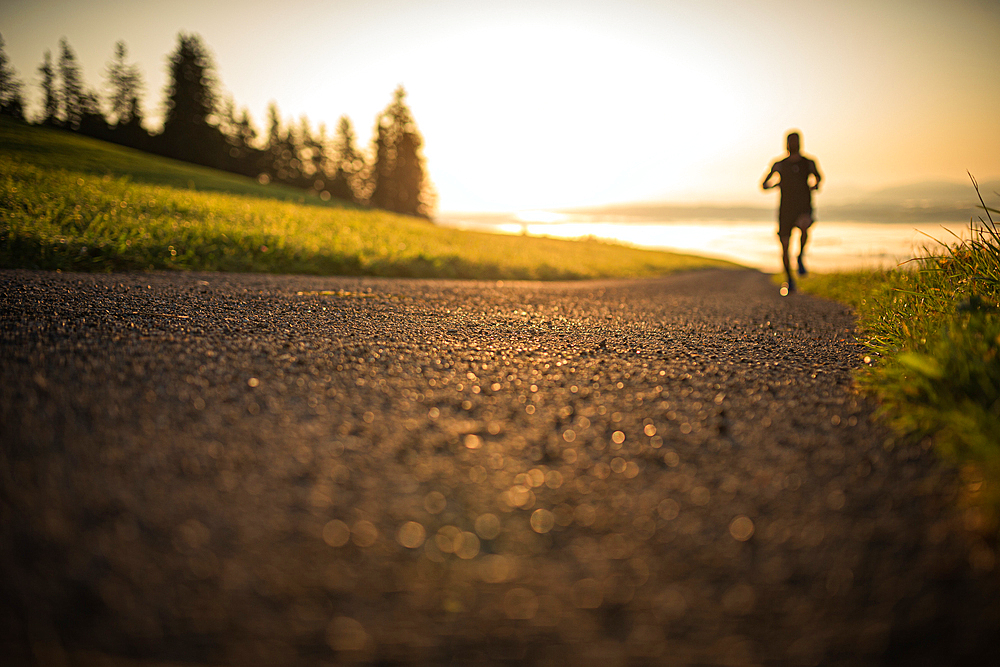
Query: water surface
x=833, y=246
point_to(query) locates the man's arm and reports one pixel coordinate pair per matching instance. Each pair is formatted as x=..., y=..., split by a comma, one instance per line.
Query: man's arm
x=817, y=175
x=763, y=184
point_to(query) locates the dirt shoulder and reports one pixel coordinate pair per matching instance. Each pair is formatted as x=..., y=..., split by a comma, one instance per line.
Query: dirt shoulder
x=249, y=469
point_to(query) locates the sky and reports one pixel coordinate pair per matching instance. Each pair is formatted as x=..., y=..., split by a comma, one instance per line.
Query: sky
x=550, y=104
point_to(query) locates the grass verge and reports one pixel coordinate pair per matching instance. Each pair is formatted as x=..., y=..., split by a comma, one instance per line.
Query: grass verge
x=71, y=203
x=934, y=332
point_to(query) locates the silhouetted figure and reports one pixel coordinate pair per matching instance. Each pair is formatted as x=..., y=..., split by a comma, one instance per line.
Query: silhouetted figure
x=795, y=209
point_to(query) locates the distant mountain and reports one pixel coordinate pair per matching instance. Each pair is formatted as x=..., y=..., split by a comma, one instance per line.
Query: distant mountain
x=929, y=201
x=934, y=192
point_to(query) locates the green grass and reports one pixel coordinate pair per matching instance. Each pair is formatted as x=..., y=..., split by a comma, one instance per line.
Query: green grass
x=58, y=150
x=934, y=332
x=71, y=203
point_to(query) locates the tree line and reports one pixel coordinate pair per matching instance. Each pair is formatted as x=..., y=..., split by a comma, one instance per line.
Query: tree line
x=204, y=127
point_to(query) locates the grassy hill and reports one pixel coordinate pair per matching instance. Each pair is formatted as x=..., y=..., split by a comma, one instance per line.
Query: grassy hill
x=73, y=203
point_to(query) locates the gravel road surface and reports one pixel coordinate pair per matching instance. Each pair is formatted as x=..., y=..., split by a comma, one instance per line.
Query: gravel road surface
x=226, y=469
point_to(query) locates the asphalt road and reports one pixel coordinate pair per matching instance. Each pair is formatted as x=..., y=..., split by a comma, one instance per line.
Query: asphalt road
x=269, y=470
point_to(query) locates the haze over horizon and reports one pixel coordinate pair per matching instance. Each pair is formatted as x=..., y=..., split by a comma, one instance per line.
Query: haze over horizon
x=553, y=104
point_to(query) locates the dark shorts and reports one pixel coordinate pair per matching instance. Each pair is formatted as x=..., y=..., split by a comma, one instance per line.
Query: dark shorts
x=789, y=221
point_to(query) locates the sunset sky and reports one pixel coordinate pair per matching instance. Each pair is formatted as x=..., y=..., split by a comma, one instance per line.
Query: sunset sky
x=543, y=104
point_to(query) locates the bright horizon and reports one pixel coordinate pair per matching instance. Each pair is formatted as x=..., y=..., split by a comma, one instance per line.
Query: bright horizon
x=548, y=104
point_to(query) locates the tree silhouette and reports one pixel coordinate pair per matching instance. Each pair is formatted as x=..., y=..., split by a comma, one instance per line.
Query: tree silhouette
x=124, y=83
x=398, y=177
x=245, y=130
x=50, y=96
x=276, y=152
x=201, y=128
x=312, y=154
x=92, y=120
x=72, y=86
x=11, y=102
x=239, y=134
x=349, y=164
x=188, y=129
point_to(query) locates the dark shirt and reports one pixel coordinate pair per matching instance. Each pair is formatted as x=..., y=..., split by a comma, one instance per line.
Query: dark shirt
x=796, y=194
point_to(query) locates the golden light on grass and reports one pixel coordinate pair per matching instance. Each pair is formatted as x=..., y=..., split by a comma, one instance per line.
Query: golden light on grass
x=521, y=496
x=741, y=528
x=346, y=634
x=496, y=568
x=668, y=509
x=411, y=535
x=487, y=526
x=542, y=521
x=535, y=477
x=336, y=533
x=364, y=533
x=700, y=496
x=435, y=502
x=448, y=539
x=520, y=604
x=587, y=594
x=467, y=546
x=739, y=600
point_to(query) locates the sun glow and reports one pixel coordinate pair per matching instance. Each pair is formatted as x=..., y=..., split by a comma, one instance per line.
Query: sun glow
x=539, y=216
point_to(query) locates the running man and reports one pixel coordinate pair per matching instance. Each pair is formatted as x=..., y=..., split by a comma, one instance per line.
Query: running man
x=795, y=209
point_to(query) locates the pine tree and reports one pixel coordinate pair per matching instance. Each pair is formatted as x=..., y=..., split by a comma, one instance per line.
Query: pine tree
x=245, y=130
x=275, y=165
x=72, y=86
x=319, y=156
x=228, y=125
x=189, y=132
x=290, y=150
x=11, y=102
x=124, y=83
x=312, y=152
x=398, y=178
x=92, y=120
x=349, y=165
x=50, y=95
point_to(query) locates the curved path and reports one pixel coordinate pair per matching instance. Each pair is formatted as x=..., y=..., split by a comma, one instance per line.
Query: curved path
x=249, y=469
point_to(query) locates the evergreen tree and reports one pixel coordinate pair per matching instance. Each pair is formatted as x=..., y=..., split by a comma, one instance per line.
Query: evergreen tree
x=243, y=137
x=50, y=95
x=245, y=130
x=132, y=133
x=310, y=153
x=189, y=131
x=72, y=86
x=11, y=102
x=92, y=120
x=275, y=151
x=319, y=158
x=228, y=126
x=239, y=134
x=398, y=178
x=281, y=161
x=349, y=165
x=124, y=84
x=290, y=150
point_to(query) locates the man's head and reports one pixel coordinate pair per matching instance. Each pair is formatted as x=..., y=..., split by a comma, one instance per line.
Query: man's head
x=793, y=142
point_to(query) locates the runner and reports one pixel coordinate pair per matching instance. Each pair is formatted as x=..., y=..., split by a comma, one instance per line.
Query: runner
x=795, y=209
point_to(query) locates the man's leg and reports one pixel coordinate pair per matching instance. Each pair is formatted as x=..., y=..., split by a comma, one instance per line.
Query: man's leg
x=802, y=251
x=785, y=240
